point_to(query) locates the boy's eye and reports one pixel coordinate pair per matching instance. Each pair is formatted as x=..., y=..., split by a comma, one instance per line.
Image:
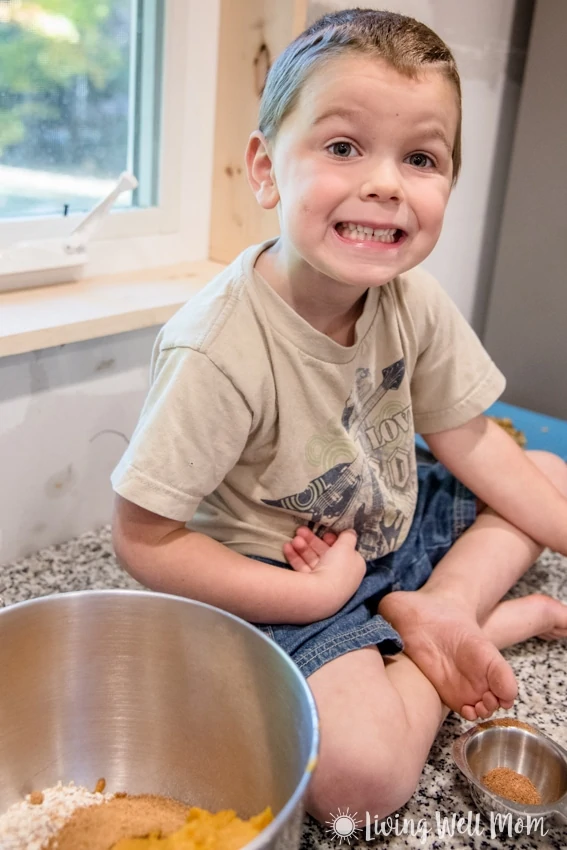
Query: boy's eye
x=420, y=160
x=342, y=149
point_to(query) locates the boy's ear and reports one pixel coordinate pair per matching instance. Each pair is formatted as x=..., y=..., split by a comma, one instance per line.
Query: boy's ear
x=260, y=171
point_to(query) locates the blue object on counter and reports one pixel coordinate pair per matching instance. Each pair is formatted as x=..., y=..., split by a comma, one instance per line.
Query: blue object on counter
x=542, y=432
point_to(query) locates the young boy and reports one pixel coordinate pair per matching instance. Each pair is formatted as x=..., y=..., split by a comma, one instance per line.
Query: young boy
x=281, y=417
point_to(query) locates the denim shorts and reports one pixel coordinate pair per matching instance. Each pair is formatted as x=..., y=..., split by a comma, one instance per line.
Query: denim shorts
x=445, y=509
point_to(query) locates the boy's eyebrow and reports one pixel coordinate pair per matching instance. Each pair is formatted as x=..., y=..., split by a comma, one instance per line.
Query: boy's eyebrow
x=346, y=112
x=337, y=112
x=437, y=133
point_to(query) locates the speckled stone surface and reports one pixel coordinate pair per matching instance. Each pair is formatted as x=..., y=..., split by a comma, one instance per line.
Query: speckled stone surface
x=88, y=563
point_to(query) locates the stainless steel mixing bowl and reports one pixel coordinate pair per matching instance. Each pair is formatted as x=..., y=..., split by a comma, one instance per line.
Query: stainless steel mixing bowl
x=156, y=694
x=524, y=749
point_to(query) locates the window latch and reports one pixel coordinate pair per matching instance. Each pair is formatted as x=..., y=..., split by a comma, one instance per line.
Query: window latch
x=67, y=252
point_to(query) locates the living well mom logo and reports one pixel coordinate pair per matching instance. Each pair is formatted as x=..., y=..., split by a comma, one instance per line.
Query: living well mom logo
x=346, y=827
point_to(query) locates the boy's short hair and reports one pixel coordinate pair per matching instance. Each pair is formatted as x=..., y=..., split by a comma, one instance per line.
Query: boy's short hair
x=404, y=43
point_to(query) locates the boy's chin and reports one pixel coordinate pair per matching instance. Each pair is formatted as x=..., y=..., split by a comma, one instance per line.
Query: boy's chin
x=367, y=274
x=358, y=272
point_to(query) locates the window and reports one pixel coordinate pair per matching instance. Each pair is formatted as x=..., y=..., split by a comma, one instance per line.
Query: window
x=73, y=89
x=89, y=89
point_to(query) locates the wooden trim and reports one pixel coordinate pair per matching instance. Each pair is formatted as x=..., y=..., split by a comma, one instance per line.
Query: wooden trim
x=252, y=34
x=87, y=309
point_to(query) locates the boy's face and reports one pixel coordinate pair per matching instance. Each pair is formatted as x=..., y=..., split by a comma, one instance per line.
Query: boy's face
x=369, y=147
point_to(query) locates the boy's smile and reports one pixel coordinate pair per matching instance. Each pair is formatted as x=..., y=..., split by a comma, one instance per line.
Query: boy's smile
x=361, y=173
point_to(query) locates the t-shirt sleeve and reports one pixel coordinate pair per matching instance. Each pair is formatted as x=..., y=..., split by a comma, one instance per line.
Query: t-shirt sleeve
x=454, y=378
x=192, y=430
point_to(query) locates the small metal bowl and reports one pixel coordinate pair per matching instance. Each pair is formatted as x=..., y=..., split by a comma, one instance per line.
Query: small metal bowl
x=524, y=749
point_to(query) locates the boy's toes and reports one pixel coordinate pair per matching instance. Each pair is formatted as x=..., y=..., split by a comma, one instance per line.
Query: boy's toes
x=482, y=712
x=502, y=682
x=468, y=712
x=478, y=711
x=503, y=691
x=483, y=709
x=486, y=706
x=490, y=702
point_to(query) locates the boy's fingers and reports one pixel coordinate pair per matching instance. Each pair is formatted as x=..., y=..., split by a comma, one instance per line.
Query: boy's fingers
x=306, y=535
x=309, y=555
x=348, y=537
x=318, y=544
x=295, y=560
x=304, y=551
x=318, y=547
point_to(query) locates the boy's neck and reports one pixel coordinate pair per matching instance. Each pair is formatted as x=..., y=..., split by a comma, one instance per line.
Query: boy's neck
x=335, y=319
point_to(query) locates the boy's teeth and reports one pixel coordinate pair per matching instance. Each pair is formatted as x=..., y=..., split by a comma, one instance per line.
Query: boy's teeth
x=360, y=233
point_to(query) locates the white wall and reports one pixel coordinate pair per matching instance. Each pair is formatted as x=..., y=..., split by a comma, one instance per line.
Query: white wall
x=66, y=413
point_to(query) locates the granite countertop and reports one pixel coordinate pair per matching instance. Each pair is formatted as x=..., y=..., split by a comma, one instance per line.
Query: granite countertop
x=88, y=563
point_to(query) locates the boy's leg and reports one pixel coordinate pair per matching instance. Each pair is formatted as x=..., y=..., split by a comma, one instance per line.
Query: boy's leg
x=440, y=623
x=379, y=717
x=537, y=615
x=377, y=722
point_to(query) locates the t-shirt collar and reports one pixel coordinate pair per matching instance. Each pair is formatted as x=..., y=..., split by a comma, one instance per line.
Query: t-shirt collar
x=296, y=329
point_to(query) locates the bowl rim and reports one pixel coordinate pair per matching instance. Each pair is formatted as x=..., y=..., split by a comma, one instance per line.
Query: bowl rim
x=459, y=753
x=273, y=828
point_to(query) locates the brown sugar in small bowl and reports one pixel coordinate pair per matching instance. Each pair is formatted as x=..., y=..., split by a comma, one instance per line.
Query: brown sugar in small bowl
x=509, y=743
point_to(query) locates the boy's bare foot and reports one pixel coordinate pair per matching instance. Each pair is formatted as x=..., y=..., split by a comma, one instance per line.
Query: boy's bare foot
x=458, y=656
x=517, y=620
x=450, y=648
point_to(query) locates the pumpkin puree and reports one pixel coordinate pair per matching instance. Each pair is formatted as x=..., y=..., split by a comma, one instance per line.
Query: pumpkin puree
x=204, y=831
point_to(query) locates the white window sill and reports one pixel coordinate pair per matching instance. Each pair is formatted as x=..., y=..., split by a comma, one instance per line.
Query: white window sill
x=31, y=319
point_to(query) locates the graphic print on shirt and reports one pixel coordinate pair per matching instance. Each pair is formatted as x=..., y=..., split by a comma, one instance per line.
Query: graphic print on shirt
x=375, y=492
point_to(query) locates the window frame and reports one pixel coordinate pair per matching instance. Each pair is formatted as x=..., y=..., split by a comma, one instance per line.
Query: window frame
x=177, y=228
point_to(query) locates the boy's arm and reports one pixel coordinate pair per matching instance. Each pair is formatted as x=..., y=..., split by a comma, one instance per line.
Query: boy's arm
x=491, y=464
x=165, y=556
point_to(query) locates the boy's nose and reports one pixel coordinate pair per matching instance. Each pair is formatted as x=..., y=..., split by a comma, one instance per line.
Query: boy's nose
x=383, y=183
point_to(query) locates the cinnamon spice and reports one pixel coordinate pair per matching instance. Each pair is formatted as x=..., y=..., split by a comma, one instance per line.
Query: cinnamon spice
x=506, y=721
x=121, y=817
x=512, y=786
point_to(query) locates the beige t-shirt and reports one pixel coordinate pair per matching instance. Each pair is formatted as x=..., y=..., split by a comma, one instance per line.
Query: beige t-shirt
x=256, y=423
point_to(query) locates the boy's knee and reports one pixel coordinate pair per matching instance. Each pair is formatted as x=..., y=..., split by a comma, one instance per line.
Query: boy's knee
x=553, y=466
x=375, y=784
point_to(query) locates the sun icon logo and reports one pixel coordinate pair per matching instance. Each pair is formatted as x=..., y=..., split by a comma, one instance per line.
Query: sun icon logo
x=344, y=826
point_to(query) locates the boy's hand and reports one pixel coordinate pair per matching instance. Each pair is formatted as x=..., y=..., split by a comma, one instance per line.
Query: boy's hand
x=306, y=549
x=332, y=560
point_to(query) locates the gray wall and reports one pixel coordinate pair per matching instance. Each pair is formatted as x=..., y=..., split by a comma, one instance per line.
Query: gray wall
x=526, y=330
